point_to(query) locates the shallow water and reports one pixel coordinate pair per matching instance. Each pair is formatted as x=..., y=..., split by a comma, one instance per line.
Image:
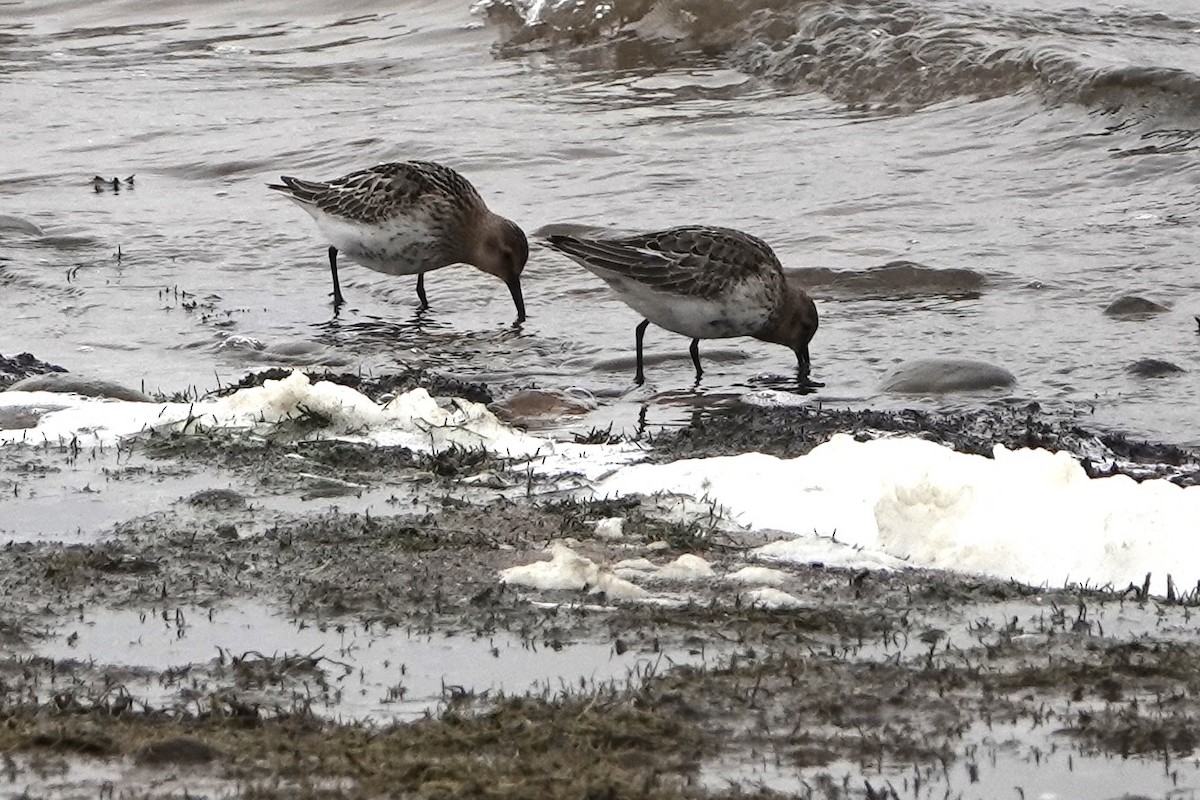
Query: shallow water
x=1048, y=149
x=1038, y=757
x=1020, y=760
x=358, y=672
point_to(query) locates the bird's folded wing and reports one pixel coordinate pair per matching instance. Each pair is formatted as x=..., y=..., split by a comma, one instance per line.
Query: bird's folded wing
x=386, y=190
x=689, y=272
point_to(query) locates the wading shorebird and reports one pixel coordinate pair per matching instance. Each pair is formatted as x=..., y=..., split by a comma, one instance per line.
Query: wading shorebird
x=702, y=282
x=408, y=218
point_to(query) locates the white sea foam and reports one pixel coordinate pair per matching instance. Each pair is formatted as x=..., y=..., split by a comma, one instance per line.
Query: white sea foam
x=610, y=528
x=568, y=570
x=414, y=420
x=635, y=568
x=1026, y=514
x=687, y=568
x=771, y=599
x=757, y=576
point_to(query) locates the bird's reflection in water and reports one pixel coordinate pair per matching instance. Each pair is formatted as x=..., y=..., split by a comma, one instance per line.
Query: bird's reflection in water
x=785, y=383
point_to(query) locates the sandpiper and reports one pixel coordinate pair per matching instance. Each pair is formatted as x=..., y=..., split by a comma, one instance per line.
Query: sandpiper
x=702, y=282
x=408, y=218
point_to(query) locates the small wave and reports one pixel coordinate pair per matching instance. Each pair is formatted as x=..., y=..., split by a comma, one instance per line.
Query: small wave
x=209, y=170
x=10, y=225
x=885, y=56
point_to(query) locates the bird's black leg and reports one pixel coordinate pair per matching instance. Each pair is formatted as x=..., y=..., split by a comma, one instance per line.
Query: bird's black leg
x=337, y=287
x=695, y=351
x=803, y=366
x=421, y=291
x=640, y=377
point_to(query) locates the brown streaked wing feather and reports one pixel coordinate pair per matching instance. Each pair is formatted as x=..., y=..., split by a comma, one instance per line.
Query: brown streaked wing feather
x=386, y=190
x=437, y=178
x=724, y=245
x=606, y=254
x=693, y=260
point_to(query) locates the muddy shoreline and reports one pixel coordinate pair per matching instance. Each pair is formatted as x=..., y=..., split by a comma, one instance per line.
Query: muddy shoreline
x=875, y=683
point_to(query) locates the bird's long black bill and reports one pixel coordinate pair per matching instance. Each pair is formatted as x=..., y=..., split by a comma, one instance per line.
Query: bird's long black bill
x=514, y=287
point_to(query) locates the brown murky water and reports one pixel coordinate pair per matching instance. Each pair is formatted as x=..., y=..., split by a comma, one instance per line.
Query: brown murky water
x=1047, y=150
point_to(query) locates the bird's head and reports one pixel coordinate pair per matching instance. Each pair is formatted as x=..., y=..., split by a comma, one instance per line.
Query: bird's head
x=503, y=250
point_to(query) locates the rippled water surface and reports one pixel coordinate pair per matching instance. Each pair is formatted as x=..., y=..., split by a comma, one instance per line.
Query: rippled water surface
x=1047, y=150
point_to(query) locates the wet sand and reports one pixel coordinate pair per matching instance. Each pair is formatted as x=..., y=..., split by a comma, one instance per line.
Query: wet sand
x=257, y=636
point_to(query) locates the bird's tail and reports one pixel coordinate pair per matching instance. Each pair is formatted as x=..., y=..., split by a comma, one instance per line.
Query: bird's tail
x=298, y=189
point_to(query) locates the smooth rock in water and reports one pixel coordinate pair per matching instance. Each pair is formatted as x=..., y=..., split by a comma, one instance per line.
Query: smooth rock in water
x=301, y=353
x=941, y=375
x=296, y=349
x=1132, y=304
x=73, y=384
x=1152, y=368
x=531, y=404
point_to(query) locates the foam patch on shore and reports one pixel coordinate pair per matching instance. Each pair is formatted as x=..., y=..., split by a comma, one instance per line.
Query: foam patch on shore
x=621, y=582
x=567, y=570
x=414, y=420
x=1028, y=515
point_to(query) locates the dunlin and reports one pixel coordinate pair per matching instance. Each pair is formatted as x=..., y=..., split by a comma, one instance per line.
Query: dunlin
x=408, y=218
x=702, y=282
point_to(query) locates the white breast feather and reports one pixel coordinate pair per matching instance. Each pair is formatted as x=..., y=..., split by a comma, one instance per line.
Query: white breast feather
x=742, y=311
x=397, y=247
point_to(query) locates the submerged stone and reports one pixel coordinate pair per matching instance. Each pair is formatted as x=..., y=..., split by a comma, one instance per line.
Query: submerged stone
x=1152, y=368
x=74, y=384
x=942, y=375
x=1132, y=304
x=528, y=405
x=296, y=349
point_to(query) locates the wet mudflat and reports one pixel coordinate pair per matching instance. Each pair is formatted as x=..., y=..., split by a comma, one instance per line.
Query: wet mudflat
x=263, y=636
